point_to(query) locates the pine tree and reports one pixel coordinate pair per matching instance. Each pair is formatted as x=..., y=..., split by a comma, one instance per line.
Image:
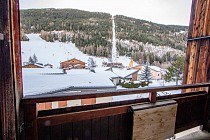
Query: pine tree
x=63, y=38
x=146, y=75
x=35, y=60
x=30, y=60
x=91, y=64
x=175, y=71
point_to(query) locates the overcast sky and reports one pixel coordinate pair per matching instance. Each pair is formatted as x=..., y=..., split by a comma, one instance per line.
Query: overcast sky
x=175, y=12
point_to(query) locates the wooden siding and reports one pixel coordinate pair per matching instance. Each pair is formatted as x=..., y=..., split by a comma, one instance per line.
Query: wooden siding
x=135, y=76
x=198, y=54
x=102, y=128
x=32, y=66
x=75, y=63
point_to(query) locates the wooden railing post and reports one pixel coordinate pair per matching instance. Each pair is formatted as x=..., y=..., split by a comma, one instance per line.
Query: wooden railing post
x=205, y=126
x=152, y=97
x=30, y=124
x=207, y=110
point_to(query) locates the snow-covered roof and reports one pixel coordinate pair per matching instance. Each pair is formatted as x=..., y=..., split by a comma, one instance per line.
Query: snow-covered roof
x=44, y=71
x=35, y=64
x=73, y=59
x=123, y=73
x=42, y=80
x=155, y=68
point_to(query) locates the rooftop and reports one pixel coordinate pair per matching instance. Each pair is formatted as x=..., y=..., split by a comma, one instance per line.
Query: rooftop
x=38, y=81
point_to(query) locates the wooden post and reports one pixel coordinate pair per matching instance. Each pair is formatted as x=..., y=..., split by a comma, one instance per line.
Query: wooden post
x=17, y=64
x=1, y=135
x=10, y=70
x=152, y=97
x=30, y=121
x=205, y=126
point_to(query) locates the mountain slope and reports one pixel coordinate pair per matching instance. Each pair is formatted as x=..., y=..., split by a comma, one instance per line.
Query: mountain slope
x=92, y=32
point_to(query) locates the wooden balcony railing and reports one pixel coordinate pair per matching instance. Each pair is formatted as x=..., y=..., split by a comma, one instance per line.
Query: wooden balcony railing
x=108, y=120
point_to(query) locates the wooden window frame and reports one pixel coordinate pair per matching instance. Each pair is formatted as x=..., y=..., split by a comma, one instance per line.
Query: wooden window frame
x=11, y=91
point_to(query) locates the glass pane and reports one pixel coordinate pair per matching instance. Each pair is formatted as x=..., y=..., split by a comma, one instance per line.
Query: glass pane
x=101, y=45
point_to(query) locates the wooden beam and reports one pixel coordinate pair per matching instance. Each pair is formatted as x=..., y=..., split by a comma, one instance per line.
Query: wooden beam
x=10, y=63
x=134, y=101
x=152, y=97
x=17, y=65
x=7, y=108
x=201, y=75
x=190, y=35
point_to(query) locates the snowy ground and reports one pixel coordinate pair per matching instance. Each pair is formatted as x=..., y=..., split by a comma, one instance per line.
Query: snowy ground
x=56, y=52
x=37, y=81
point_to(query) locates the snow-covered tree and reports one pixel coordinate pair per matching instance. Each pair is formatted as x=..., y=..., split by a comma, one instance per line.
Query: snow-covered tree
x=175, y=71
x=91, y=64
x=35, y=58
x=30, y=60
x=146, y=75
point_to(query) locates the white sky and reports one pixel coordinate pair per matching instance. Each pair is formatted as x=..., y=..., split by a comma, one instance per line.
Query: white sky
x=175, y=12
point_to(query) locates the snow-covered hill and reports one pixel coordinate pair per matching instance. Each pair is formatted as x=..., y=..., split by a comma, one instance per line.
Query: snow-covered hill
x=56, y=52
x=38, y=81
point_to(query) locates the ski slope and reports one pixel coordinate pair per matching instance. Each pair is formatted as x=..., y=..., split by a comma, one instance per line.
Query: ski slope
x=56, y=52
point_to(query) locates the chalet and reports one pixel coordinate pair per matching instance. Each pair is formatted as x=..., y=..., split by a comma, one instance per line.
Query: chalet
x=123, y=74
x=33, y=66
x=72, y=64
x=157, y=73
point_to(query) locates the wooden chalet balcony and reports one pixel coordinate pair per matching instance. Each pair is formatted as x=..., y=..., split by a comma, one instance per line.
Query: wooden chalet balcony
x=112, y=120
x=20, y=118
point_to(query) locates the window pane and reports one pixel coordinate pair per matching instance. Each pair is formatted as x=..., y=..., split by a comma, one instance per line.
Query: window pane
x=83, y=46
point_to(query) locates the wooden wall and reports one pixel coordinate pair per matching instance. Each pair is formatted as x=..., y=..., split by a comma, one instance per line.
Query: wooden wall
x=135, y=76
x=73, y=62
x=198, y=50
x=31, y=66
